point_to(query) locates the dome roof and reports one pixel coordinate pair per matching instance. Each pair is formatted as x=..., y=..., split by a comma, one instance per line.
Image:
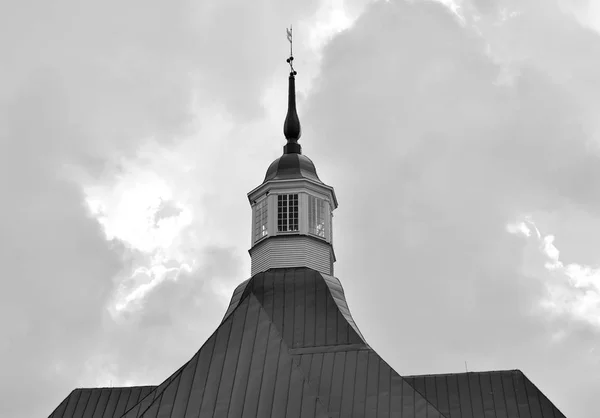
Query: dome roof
x=292, y=166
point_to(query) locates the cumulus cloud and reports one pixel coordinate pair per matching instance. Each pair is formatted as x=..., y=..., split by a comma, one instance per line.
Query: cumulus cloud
x=460, y=125
x=166, y=210
x=85, y=89
x=151, y=337
x=458, y=142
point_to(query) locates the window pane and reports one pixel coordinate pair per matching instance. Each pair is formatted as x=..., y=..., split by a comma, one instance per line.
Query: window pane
x=293, y=213
x=316, y=216
x=260, y=220
x=287, y=212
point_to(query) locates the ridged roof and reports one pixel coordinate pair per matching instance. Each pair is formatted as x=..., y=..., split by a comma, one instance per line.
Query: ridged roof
x=288, y=347
x=507, y=394
x=286, y=350
x=292, y=166
x=100, y=402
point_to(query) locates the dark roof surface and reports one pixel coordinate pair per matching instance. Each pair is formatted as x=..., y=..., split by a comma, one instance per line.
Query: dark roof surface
x=507, y=394
x=286, y=350
x=288, y=347
x=100, y=402
x=292, y=166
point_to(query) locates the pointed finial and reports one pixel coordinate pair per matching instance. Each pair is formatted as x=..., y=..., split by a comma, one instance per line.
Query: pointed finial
x=291, y=126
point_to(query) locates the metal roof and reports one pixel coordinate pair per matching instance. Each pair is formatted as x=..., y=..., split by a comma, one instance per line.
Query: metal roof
x=507, y=394
x=288, y=347
x=292, y=166
x=100, y=402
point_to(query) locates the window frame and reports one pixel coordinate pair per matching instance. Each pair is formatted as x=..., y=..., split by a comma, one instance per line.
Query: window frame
x=261, y=220
x=317, y=212
x=288, y=213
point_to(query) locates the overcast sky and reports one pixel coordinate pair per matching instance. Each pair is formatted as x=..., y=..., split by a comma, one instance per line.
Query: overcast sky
x=462, y=140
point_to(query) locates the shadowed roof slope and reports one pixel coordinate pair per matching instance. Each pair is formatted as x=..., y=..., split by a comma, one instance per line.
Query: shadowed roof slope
x=292, y=166
x=100, y=402
x=286, y=349
x=507, y=394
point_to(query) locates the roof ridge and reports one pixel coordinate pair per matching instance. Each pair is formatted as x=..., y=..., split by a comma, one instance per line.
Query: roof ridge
x=116, y=387
x=155, y=392
x=462, y=373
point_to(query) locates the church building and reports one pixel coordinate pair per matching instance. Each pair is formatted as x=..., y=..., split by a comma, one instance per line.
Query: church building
x=288, y=346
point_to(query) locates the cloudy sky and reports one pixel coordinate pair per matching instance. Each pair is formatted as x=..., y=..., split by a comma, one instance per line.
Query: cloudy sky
x=462, y=139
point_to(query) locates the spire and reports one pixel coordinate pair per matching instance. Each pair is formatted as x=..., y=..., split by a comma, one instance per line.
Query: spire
x=291, y=126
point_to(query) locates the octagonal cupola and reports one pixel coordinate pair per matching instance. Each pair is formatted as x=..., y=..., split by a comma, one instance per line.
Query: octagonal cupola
x=292, y=209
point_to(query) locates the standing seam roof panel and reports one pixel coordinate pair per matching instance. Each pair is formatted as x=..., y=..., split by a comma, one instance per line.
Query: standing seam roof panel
x=288, y=346
x=507, y=394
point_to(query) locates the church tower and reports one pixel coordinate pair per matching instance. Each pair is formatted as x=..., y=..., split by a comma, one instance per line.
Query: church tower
x=288, y=347
x=292, y=209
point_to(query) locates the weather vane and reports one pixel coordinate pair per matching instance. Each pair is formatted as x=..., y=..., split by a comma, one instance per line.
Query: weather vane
x=290, y=60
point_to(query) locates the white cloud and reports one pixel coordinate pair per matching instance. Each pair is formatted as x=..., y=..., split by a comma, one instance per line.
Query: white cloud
x=572, y=290
x=331, y=19
x=450, y=129
x=519, y=227
x=108, y=103
x=449, y=158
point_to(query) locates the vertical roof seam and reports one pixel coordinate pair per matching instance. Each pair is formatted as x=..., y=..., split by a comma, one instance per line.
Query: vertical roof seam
x=106, y=404
x=343, y=380
x=179, y=379
x=238, y=359
x=304, y=310
x=514, y=387
x=212, y=352
x=223, y=367
x=251, y=357
x=367, y=385
x=86, y=403
x=492, y=389
x=469, y=392
x=276, y=371
x=187, y=403
x=127, y=401
x=95, y=405
x=503, y=393
x=263, y=372
x=480, y=392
